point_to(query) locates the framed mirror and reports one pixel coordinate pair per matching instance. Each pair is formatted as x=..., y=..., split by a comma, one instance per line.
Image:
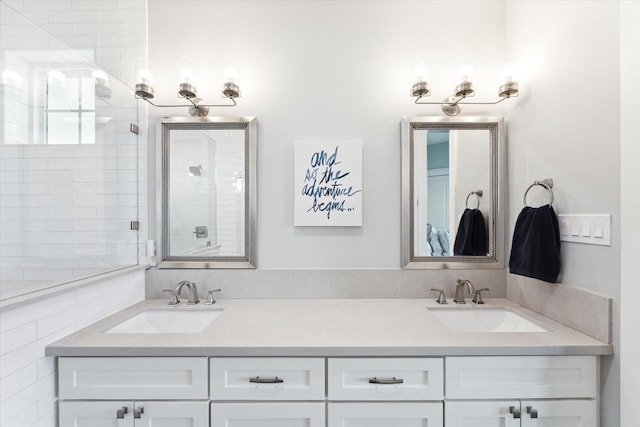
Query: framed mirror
x=207, y=192
x=453, y=191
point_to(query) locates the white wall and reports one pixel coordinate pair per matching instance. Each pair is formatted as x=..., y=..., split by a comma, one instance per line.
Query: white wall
x=326, y=70
x=567, y=127
x=27, y=378
x=630, y=155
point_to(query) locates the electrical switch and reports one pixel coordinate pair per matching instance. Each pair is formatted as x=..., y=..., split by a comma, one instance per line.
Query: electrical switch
x=598, y=230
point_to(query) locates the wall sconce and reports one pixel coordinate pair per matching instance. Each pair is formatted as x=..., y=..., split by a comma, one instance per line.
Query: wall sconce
x=187, y=90
x=463, y=90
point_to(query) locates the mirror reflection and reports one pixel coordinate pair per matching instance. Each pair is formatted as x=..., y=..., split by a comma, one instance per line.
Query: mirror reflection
x=208, y=198
x=450, y=198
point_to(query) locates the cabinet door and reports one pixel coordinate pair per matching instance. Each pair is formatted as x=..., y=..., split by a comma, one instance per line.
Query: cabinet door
x=268, y=414
x=559, y=413
x=482, y=414
x=95, y=414
x=171, y=414
x=396, y=414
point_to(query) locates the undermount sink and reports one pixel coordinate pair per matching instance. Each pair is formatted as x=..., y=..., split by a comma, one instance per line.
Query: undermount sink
x=463, y=319
x=166, y=322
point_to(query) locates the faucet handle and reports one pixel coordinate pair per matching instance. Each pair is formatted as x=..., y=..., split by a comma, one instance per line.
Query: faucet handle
x=173, y=299
x=477, y=297
x=441, y=298
x=210, y=299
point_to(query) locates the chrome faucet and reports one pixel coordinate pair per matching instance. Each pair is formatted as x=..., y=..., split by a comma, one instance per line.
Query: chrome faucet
x=192, y=291
x=459, y=297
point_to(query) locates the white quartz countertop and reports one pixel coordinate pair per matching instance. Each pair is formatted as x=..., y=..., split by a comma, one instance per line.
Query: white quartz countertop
x=326, y=327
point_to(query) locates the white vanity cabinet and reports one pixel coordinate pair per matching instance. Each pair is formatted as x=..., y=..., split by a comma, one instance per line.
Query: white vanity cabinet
x=370, y=392
x=293, y=387
x=133, y=391
x=521, y=391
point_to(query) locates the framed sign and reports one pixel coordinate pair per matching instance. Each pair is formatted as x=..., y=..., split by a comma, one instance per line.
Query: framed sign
x=328, y=183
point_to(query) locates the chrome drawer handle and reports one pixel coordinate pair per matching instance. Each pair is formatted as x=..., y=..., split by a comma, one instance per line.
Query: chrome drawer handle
x=392, y=380
x=274, y=380
x=533, y=413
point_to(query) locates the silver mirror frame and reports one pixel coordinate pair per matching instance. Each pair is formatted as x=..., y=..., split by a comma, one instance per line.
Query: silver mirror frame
x=248, y=261
x=495, y=260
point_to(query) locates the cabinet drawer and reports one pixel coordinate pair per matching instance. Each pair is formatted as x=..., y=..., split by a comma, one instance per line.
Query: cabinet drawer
x=132, y=377
x=385, y=379
x=249, y=378
x=396, y=414
x=291, y=414
x=521, y=377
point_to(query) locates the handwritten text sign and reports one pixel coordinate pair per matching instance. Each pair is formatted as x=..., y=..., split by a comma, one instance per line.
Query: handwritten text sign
x=328, y=183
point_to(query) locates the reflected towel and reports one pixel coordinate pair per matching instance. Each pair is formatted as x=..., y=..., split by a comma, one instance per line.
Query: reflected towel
x=535, y=250
x=471, y=238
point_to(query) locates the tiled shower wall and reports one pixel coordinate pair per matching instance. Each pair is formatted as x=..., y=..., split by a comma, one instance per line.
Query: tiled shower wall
x=66, y=209
x=60, y=205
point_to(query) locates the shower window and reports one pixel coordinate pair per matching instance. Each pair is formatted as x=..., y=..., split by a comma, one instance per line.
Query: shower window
x=67, y=112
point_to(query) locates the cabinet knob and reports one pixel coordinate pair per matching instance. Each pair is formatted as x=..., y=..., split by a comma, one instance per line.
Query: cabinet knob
x=515, y=411
x=533, y=413
x=137, y=412
x=120, y=413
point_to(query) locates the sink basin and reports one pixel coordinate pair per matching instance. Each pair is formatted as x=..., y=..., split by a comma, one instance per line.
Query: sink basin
x=462, y=319
x=166, y=322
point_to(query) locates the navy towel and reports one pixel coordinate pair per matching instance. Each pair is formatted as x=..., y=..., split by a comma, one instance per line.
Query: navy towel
x=535, y=250
x=471, y=238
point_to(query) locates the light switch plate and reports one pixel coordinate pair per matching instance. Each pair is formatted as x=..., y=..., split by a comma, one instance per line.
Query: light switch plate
x=590, y=229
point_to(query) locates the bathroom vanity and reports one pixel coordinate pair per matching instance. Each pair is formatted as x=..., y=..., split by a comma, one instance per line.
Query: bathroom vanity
x=320, y=363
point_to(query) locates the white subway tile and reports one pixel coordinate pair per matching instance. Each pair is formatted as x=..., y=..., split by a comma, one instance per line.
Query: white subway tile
x=70, y=17
x=96, y=28
x=11, y=318
x=20, y=358
x=27, y=397
x=46, y=5
x=135, y=16
x=133, y=28
x=28, y=417
x=19, y=380
x=50, y=274
x=95, y=5
x=18, y=337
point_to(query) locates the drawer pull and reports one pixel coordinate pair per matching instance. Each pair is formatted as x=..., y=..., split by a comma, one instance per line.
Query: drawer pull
x=120, y=413
x=137, y=412
x=392, y=380
x=516, y=412
x=274, y=380
x=533, y=413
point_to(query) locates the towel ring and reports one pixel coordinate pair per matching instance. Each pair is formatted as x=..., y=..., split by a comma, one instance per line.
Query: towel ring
x=546, y=183
x=478, y=194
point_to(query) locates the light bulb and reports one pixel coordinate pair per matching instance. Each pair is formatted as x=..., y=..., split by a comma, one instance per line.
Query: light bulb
x=465, y=73
x=145, y=76
x=231, y=75
x=187, y=76
x=419, y=74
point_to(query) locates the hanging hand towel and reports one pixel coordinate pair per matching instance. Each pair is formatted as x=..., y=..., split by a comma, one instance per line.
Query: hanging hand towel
x=535, y=250
x=471, y=238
